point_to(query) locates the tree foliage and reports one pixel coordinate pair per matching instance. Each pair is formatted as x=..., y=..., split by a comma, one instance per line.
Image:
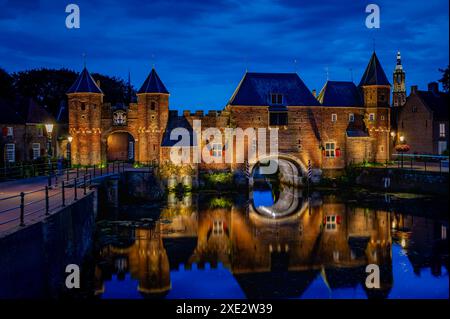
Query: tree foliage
x=445, y=80
x=6, y=85
x=49, y=86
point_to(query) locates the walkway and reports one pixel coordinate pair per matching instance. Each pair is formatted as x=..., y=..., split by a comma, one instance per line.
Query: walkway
x=34, y=204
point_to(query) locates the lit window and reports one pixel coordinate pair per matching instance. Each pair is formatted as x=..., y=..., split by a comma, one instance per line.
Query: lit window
x=333, y=117
x=10, y=153
x=10, y=131
x=382, y=117
x=218, y=228
x=331, y=222
x=351, y=117
x=372, y=117
x=36, y=150
x=217, y=150
x=330, y=149
x=441, y=129
x=276, y=98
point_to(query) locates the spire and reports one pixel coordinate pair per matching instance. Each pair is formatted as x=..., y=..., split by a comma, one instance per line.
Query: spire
x=374, y=74
x=399, y=61
x=153, y=84
x=84, y=84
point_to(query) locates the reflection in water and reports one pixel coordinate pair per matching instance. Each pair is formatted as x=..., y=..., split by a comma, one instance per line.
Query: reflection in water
x=213, y=247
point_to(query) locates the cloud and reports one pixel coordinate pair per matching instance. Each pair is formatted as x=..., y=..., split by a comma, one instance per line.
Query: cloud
x=202, y=48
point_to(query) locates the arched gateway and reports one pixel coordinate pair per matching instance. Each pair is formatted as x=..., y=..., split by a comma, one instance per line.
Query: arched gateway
x=291, y=169
x=120, y=146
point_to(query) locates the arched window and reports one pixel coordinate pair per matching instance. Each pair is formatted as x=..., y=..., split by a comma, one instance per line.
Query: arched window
x=153, y=106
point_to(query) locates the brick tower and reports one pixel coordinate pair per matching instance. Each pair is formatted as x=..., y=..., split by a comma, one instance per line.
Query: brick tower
x=153, y=110
x=376, y=92
x=85, y=100
x=399, y=93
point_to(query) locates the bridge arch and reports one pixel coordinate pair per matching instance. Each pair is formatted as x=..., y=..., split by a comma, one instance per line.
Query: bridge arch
x=290, y=167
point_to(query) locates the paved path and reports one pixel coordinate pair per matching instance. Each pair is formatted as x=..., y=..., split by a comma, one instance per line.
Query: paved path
x=34, y=198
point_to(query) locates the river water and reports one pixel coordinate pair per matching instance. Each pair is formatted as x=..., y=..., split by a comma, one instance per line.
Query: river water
x=280, y=244
x=271, y=243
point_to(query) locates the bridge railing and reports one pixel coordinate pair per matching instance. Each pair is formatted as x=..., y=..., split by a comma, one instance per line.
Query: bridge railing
x=19, y=209
x=420, y=162
x=21, y=170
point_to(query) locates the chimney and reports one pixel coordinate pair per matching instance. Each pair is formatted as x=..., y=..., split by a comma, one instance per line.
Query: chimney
x=314, y=92
x=433, y=87
x=414, y=89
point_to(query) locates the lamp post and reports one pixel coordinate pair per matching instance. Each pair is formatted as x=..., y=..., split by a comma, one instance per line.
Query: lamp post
x=69, y=150
x=49, y=129
x=402, y=139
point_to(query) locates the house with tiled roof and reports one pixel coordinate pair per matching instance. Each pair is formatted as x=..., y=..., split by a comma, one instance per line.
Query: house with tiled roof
x=424, y=120
x=24, y=137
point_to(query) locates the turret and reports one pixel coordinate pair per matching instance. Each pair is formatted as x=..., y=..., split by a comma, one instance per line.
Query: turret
x=85, y=100
x=375, y=85
x=376, y=91
x=153, y=110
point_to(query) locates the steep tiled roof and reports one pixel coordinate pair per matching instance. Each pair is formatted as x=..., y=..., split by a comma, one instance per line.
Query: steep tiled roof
x=255, y=89
x=374, y=74
x=37, y=114
x=357, y=133
x=436, y=102
x=9, y=114
x=153, y=84
x=176, y=121
x=339, y=93
x=84, y=84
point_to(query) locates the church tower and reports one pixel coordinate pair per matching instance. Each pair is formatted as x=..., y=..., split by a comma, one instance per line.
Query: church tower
x=376, y=91
x=85, y=100
x=399, y=93
x=153, y=110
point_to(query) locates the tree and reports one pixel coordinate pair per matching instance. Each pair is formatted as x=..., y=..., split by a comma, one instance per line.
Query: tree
x=445, y=80
x=46, y=86
x=6, y=85
x=114, y=88
x=49, y=86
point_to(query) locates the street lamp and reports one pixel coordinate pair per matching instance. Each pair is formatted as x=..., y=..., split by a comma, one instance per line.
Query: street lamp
x=69, y=149
x=49, y=129
x=402, y=139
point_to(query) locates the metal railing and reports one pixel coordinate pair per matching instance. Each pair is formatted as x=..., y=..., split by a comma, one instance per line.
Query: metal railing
x=421, y=162
x=21, y=171
x=52, y=197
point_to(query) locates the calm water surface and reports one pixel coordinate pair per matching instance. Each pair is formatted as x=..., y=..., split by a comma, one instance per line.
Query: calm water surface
x=273, y=245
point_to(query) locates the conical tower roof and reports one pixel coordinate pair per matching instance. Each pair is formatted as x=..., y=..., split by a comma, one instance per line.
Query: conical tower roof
x=153, y=84
x=84, y=84
x=374, y=74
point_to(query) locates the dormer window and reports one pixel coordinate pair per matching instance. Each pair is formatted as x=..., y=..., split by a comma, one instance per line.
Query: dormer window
x=276, y=99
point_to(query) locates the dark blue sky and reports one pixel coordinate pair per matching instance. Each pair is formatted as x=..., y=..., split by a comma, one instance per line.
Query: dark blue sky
x=201, y=48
